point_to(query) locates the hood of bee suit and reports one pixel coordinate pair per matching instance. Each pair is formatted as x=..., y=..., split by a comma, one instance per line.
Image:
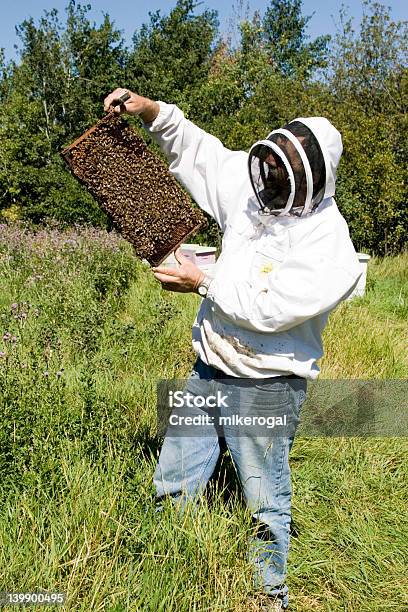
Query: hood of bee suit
x=294, y=168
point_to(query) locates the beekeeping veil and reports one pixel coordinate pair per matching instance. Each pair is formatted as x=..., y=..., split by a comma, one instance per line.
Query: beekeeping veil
x=288, y=170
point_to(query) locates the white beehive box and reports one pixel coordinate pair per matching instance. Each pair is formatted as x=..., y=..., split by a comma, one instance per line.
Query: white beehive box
x=359, y=290
x=203, y=256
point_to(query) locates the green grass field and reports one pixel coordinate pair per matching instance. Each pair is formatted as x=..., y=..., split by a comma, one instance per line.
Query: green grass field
x=85, y=334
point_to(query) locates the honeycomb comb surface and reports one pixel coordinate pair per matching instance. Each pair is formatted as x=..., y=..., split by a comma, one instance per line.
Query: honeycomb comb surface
x=134, y=187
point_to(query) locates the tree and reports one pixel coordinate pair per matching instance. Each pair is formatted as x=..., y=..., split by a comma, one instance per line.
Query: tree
x=239, y=92
x=285, y=38
x=171, y=54
x=251, y=88
x=370, y=66
x=368, y=77
x=52, y=95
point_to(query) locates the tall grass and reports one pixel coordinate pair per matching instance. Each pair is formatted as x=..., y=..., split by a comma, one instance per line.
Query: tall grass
x=86, y=333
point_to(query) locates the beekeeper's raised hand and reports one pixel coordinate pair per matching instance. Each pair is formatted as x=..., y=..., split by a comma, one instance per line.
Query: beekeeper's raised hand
x=186, y=278
x=135, y=105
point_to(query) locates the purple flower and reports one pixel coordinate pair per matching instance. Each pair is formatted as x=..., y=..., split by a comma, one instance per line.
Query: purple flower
x=6, y=336
x=14, y=306
x=55, y=241
x=2, y=354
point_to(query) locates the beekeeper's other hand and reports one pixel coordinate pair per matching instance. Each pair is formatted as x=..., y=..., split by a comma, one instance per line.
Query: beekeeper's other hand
x=135, y=105
x=185, y=278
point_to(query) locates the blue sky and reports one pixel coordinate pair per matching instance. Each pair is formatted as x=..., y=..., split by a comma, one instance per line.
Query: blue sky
x=130, y=14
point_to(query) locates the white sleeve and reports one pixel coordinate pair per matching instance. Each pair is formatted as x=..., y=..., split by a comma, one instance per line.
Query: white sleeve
x=214, y=175
x=305, y=285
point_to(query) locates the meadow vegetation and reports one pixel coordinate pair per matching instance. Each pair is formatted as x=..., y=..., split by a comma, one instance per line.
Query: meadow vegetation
x=86, y=332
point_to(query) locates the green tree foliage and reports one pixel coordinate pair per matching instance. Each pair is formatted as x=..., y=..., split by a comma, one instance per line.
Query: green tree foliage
x=285, y=37
x=369, y=77
x=239, y=92
x=48, y=98
x=369, y=66
x=171, y=54
x=364, y=94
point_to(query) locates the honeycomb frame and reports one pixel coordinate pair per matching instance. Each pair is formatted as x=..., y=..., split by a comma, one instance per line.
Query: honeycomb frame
x=134, y=187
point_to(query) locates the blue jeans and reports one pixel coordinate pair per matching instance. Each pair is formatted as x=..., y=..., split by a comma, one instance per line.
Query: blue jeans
x=261, y=461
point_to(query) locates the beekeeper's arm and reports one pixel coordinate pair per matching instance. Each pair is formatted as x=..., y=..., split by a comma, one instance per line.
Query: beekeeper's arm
x=214, y=175
x=308, y=283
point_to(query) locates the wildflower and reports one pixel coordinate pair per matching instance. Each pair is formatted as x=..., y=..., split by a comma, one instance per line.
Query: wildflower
x=46, y=373
x=2, y=354
x=59, y=373
x=14, y=306
x=6, y=337
x=14, y=339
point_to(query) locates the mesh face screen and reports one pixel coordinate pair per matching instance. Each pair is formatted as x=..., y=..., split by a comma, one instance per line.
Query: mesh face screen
x=134, y=187
x=314, y=155
x=271, y=183
x=296, y=164
x=279, y=174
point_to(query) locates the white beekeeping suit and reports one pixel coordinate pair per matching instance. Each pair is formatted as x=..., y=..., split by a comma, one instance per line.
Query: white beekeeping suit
x=287, y=259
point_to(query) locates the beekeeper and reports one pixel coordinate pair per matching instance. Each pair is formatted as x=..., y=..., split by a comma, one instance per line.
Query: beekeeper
x=286, y=261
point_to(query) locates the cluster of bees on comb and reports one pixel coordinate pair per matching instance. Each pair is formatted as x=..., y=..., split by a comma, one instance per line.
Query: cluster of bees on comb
x=134, y=187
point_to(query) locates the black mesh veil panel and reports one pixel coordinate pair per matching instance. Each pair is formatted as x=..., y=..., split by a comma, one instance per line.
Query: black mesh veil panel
x=279, y=169
x=314, y=154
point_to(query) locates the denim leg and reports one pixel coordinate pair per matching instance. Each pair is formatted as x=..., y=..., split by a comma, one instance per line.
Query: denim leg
x=263, y=469
x=185, y=466
x=187, y=462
